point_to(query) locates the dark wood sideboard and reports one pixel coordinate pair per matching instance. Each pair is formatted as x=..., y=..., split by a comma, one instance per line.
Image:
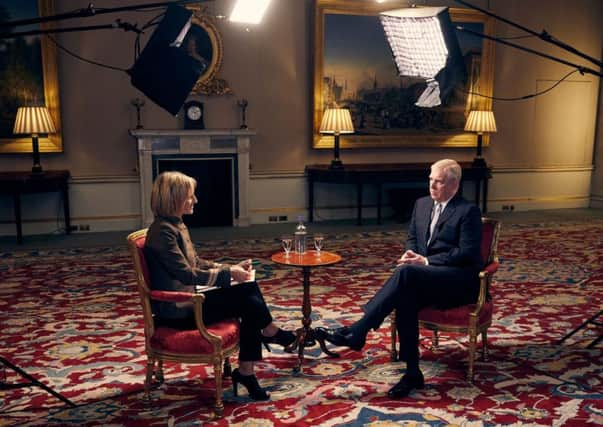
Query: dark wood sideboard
x=17, y=183
x=377, y=174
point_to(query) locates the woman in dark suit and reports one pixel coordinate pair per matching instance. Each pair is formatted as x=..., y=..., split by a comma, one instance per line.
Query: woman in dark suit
x=175, y=266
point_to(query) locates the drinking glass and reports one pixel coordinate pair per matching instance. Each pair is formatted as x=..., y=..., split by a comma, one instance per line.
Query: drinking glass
x=318, y=241
x=287, y=241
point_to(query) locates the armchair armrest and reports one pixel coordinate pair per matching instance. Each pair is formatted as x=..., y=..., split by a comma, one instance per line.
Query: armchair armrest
x=491, y=268
x=171, y=296
x=197, y=299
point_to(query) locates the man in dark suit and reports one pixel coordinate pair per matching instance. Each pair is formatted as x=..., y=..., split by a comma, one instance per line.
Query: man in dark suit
x=439, y=267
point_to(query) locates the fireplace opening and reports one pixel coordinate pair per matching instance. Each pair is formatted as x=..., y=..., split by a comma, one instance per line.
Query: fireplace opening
x=215, y=186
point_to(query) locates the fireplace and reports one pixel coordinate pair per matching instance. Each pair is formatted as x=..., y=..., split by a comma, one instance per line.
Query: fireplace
x=215, y=191
x=217, y=159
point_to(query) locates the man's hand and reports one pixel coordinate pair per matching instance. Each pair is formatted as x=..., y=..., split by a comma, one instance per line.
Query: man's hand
x=410, y=257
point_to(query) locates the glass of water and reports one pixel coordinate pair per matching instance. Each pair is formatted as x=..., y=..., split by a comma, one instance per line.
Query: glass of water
x=318, y=241
x=287, y=241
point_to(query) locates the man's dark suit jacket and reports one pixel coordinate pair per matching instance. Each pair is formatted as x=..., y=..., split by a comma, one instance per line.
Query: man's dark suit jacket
x=457, y=235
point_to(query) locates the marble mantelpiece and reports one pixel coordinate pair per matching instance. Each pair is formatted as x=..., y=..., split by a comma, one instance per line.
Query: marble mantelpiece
x=194, y=142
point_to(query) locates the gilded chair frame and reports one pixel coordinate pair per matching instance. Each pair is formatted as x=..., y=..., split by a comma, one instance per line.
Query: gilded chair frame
x=219, y=357
x=473, y=327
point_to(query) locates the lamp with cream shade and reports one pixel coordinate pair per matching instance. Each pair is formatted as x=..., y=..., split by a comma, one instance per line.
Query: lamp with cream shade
x=481, y=122
x=336, y=121
x=34, y=121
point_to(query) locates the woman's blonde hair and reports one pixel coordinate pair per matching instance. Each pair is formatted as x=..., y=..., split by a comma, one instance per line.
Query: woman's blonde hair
x=170, y=190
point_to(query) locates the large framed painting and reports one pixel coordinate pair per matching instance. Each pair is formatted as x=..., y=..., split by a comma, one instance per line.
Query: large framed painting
x=28, y=76
x=354, y=68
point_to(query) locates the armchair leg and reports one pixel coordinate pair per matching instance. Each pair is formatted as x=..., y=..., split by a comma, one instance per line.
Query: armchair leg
x=219, y=405
x=227, y=368
x=485, y=345
x=472, y=343
x=148, y=379
x=436, y=338
x=159, y=373
x=394, y=336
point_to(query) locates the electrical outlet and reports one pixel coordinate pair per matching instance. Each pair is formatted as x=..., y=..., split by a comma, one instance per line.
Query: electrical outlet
x=282, y=218
x=84, y=227
x=272, y=218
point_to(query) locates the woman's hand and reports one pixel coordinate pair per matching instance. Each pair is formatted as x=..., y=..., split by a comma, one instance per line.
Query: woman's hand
x=245, y=265
x=239, y=274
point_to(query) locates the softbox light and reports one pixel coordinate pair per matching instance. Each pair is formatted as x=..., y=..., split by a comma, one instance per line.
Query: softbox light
x=164, y=72
x=424, y=45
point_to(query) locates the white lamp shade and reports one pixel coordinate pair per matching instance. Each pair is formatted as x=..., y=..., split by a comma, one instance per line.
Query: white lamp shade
x=337, y=121
x=33, y=120
x=481, y=122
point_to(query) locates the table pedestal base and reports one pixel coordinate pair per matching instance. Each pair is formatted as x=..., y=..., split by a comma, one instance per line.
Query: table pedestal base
x=305, y=335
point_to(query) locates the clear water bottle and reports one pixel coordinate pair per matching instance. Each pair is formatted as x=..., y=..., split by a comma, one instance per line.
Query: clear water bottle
x=300, y=236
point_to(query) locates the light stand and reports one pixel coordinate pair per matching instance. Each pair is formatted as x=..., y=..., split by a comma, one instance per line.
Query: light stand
x=543, y=36
x=424, y=44
x=257, y=9
x=84, y=13
x=32, y=382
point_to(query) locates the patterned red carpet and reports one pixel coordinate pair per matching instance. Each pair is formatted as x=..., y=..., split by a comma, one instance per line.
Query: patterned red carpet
x=71, y=318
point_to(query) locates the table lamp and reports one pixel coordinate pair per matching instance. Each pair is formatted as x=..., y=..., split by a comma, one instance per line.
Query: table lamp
x=336, y=121
x=33, y=121
x=481, y=122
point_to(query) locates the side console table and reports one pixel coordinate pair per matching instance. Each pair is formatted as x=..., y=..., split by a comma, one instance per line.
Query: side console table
x=17, y=183
x=379, y=173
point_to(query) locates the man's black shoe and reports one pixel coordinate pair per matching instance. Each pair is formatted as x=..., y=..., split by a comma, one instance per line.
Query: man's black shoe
x=341, y=336
x=406, y=384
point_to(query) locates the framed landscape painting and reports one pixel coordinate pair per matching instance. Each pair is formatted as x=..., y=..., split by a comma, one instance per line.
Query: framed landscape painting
x=28, y=75
x=354, y=69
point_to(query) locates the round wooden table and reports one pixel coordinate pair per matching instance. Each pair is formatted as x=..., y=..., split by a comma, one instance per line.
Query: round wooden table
x=305, y=335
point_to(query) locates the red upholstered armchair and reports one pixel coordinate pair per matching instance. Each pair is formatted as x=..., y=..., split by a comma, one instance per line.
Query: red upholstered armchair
x=206, y=344
x=472, y=319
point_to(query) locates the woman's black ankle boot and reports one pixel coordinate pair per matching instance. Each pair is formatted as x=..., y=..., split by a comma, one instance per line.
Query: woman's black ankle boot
x=282, y=337
x=251, y=384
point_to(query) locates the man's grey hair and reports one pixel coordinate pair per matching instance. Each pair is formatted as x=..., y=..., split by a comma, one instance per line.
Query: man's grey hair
x=450, y=167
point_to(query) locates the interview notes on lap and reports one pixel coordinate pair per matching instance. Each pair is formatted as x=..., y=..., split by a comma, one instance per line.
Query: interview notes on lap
x=205, y=288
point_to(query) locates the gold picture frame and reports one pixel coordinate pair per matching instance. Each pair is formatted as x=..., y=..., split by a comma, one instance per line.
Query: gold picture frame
x=480, y=75
x=15, y=97
x=208, y=44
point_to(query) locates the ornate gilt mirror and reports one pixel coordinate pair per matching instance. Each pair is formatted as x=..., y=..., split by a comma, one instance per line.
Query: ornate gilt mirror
x=204, y=43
